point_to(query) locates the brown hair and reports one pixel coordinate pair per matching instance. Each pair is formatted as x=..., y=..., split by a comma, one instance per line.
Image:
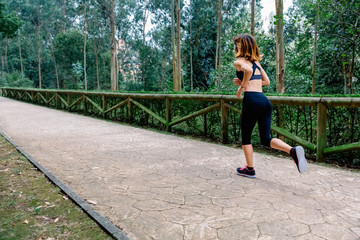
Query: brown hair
x=245, y=46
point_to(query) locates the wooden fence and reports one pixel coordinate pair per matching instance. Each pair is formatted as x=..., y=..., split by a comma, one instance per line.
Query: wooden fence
x=70, y=100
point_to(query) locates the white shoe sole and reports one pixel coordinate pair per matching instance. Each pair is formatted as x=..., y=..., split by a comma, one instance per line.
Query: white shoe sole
x=300, y=153
x=248, y=176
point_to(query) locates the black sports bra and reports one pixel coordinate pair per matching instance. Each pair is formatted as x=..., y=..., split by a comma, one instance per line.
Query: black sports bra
x=240, y=74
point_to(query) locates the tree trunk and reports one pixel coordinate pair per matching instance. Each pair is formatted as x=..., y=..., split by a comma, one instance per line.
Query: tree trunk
x=39, y=53
x=6, y=51
x=218, y=33
x=355, y=36
x=280, y=65
x=173, y=45
x=178, y=62
x=191, y=57
x=54, y=59
x=21, y=63
x=113, y=65
x=352, y=69
x=97, y=66
x=343, y=58
x=315, y=49
x=63, y=27
x=132, y=64
x=144, y=24
x=252, y=17
x=2, y=66
x=219, y=70
x=85, y=35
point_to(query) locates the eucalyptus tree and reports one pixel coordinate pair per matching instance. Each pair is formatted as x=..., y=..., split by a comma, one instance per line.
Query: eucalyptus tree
x=337, y=41
x=280, y=63
x=98, y=35
x=225, y=19
x=68, y=49
x=108, y=6
x=236, y=20
x=202, y=40
x=178, y=46
x=344, y=25
x=9, y=24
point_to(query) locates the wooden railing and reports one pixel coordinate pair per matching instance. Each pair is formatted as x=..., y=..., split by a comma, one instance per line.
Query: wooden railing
x=71, y=100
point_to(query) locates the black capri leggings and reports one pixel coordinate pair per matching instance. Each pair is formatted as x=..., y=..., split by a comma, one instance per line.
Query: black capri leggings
x=256, y=108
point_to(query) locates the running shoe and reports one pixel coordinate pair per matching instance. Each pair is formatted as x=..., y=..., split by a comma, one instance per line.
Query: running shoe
x=245, y=172
x=298, y=154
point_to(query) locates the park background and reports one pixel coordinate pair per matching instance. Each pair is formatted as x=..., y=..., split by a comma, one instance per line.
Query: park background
x=309, y=47
x=68, y=44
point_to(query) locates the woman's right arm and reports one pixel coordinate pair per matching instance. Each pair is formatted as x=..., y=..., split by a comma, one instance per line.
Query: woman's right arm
x=240, y=65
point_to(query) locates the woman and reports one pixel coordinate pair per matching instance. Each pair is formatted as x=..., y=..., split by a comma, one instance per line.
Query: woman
x=256, y=106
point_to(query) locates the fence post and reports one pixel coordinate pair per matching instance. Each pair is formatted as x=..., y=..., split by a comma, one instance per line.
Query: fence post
x=168, y=114
x=224, y=123
x=130, y=110
x=57, y=101
x=103, y=106
x=84, y=102
x=321, y=130
x=47, y=99
x=68, y=101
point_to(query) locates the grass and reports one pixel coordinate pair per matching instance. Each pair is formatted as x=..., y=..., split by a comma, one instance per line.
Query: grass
x=32, y=207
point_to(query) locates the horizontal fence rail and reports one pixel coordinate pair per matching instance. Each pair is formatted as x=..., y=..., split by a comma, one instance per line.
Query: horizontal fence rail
x=105, y=103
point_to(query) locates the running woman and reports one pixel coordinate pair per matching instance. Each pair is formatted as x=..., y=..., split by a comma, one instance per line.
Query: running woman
x=256, y=106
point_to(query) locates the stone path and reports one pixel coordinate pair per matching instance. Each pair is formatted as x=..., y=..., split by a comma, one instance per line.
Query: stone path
x=160, y=186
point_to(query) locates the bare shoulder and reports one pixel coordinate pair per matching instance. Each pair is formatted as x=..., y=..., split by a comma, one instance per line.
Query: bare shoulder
x=241, y=64
x=258, y=63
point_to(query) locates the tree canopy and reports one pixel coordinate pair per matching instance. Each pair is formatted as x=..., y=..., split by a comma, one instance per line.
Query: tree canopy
x=9, y=23
x=133, y=45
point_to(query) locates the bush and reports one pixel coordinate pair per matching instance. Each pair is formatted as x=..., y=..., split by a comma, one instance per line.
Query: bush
x=15, y=80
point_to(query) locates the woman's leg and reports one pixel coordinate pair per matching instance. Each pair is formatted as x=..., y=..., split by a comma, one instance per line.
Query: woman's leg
x=248, y=151
x=265, y=128
x=280, y=145
x=248, y=121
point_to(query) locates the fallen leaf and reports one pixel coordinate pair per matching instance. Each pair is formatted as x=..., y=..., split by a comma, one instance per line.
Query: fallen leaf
x=45, y=218
x=56, y=220
x=47, y=203
x=65, y=197
x=38, y=207
x=5, y=170
x=26, y=221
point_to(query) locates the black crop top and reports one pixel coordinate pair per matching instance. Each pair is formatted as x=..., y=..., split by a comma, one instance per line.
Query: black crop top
x=240, y=74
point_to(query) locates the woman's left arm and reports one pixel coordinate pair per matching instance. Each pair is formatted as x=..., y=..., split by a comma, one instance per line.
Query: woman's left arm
x=265, y=79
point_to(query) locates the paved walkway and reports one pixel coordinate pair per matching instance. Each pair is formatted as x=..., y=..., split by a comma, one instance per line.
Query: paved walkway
x=159, y=186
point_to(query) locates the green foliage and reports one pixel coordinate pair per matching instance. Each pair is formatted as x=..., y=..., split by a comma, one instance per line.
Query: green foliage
x=15, y=80
x=9, y=23
x=145, y=51
x=68, y=50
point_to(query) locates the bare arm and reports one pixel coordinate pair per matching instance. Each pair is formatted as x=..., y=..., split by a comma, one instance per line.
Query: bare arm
x=240, y=65
x=265, y=79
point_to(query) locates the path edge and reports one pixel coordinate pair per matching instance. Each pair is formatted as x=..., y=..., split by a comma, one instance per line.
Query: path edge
x=104, y=223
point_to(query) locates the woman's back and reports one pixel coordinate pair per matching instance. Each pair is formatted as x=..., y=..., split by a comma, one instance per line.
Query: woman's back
x=258, y=77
